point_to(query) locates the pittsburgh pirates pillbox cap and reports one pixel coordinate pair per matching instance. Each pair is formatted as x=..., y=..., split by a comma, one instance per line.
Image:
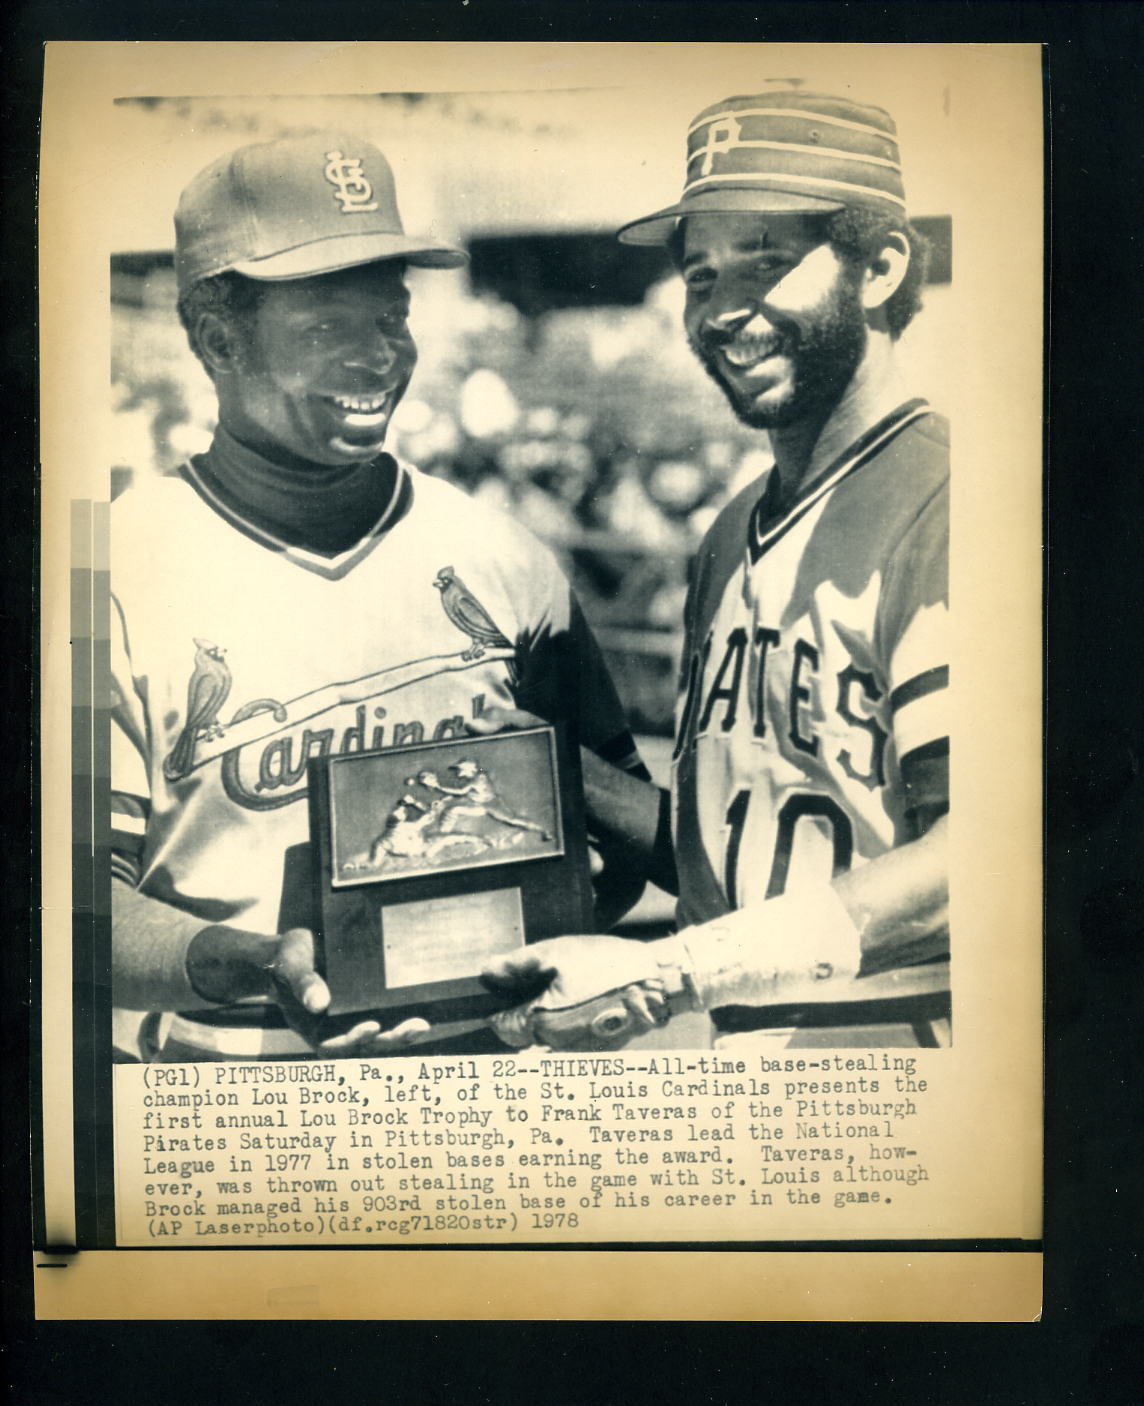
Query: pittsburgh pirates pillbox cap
x=295, y=208
x=783, y=151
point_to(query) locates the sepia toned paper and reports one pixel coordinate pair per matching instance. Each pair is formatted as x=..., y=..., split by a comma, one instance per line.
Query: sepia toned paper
x=415, y=952
x=970, y=124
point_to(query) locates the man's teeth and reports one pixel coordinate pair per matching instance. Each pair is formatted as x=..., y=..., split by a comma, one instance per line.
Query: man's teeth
x=360, y=405
x=748, y=356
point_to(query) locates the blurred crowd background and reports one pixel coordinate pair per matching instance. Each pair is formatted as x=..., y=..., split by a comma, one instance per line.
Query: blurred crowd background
x=553, y=380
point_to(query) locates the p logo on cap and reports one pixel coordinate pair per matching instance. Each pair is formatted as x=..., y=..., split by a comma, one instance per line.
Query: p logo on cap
x=789, y=150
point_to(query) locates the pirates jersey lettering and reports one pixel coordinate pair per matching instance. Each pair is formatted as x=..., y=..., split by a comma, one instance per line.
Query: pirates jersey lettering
x=812, y=726
x=806, y=692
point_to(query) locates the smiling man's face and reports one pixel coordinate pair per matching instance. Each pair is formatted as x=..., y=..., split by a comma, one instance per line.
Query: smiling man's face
x=772, y=313
x=323, y=367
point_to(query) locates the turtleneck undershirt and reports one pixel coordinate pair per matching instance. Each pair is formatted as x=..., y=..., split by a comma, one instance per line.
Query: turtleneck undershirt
x=323, y=508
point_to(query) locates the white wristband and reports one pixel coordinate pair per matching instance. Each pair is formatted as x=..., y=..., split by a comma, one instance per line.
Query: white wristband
x=785, y=949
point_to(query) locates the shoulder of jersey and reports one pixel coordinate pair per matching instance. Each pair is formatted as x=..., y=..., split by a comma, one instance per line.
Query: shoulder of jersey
x=917, y=459
x=486, y=526
x=150, y=497
x=930, y=436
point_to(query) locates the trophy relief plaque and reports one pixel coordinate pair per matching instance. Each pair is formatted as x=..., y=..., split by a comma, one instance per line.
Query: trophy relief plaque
x=432, y=859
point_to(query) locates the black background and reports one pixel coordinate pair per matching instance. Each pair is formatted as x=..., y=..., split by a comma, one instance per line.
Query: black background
x=1090, y=1345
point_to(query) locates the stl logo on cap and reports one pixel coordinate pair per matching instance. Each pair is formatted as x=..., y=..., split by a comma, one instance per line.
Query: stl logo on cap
x=352, y=189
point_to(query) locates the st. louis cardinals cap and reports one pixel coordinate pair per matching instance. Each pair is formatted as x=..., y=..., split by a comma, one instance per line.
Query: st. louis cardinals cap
x=783, y=150
x=294, y=208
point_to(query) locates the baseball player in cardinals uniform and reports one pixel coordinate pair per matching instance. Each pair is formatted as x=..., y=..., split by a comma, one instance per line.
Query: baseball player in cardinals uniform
x=806, y=821
x=296, y=592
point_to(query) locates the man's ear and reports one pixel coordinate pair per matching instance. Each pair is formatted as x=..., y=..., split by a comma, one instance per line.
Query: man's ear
x=217, y=343
x=885, y=271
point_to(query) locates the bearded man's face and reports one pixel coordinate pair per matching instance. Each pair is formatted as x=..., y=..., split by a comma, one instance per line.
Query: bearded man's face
x=772, y=312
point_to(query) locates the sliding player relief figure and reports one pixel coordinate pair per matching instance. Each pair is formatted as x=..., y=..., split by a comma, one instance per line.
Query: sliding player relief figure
x=809, y=796
x=295, y=592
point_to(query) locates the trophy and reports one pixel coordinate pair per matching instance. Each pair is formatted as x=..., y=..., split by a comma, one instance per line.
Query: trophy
x=430, y=860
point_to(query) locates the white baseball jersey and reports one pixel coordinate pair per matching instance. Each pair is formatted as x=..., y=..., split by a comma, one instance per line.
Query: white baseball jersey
x=812, y=724
x=236, y=658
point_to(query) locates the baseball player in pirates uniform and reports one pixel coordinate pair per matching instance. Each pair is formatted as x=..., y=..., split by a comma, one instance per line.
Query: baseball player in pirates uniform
x=807, y=812
x=296, y=592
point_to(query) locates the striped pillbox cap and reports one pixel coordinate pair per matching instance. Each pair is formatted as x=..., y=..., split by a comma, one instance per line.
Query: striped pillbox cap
x=783, y=151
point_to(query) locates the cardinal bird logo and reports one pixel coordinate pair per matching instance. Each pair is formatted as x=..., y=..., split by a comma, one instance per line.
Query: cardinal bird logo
x=206, y=693
x=468, y=614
